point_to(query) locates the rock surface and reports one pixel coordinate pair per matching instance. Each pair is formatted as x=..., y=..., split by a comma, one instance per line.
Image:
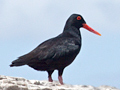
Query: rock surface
x=17, y=83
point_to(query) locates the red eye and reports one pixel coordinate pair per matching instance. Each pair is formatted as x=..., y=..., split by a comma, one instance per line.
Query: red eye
x=78, y=18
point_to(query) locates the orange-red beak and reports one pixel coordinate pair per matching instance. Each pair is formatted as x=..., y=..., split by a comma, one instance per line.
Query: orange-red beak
x=90, y=29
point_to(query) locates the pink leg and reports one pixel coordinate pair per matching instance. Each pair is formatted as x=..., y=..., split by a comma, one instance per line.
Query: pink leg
x=60, y=80
x=50, y=79
x=50, y=75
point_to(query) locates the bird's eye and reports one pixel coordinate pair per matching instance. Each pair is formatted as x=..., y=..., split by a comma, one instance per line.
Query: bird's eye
x=78, y=18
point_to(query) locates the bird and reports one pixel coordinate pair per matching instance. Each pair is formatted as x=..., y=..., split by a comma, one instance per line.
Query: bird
x=58, y=52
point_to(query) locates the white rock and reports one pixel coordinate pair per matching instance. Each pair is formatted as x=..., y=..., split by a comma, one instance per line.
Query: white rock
x=18, y=83
x=105, y=87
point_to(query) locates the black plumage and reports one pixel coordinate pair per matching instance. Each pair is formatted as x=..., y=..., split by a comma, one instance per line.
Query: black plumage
x=58, y=52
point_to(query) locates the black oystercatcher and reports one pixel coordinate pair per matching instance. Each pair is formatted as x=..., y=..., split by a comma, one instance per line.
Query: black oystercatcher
x=58, y=52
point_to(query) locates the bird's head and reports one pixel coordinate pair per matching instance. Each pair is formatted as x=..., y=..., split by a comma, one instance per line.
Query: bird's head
x=77, y=21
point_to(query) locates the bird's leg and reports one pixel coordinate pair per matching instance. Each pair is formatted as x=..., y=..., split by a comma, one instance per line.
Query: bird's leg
x=60, y=79
x=60, y=76
x=50, y=75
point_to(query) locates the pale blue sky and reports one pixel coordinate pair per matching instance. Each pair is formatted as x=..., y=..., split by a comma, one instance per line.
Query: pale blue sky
x=24, y=24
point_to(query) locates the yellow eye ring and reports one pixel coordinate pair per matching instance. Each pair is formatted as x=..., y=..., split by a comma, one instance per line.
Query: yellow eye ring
x=78, y=18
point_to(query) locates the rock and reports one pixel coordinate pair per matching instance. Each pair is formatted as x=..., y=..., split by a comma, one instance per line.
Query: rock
x=105, y=87
x=17, y=83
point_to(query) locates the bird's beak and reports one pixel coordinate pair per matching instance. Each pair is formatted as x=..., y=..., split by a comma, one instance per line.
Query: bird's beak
x=90, y=29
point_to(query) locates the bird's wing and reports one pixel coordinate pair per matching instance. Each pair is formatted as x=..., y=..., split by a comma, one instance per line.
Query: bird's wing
x=54, y=48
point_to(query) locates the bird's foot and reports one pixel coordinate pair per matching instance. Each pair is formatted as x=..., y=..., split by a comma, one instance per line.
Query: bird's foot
x=60, y=80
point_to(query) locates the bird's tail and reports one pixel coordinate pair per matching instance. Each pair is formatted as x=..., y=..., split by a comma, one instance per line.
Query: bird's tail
x=18, y=62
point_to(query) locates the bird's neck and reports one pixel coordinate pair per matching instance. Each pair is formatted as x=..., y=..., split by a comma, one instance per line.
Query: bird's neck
x=73, y=31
